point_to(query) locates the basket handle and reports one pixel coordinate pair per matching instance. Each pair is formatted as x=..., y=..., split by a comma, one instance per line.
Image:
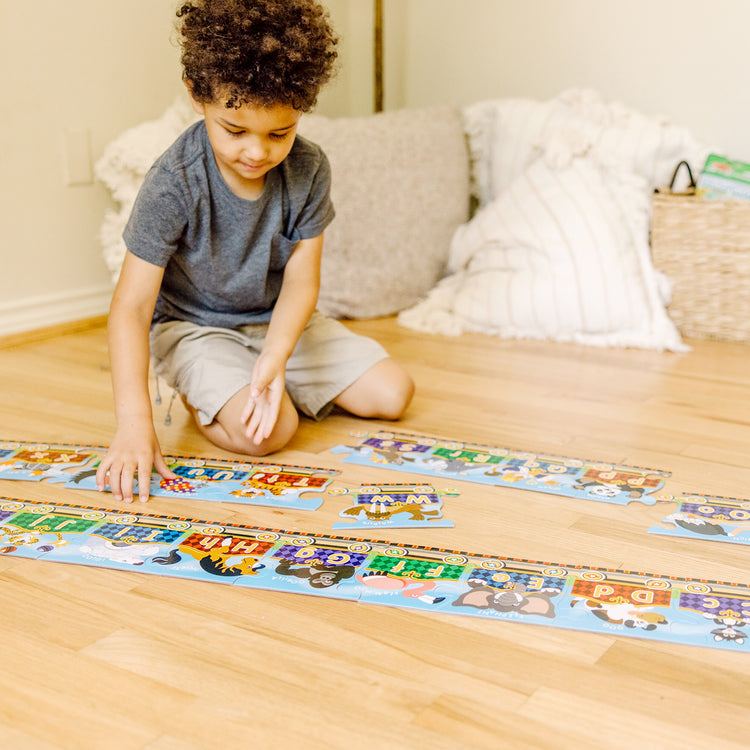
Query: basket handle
x=676, y=172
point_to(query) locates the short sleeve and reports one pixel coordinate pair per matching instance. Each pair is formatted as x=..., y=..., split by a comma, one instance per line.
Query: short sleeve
x=158, y=218
x=307, y=173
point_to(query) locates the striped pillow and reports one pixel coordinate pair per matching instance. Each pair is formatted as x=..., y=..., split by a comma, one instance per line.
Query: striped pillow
x=562, y=254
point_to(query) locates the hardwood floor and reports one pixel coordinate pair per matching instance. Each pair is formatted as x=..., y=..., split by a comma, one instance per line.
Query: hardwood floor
x=94, y=658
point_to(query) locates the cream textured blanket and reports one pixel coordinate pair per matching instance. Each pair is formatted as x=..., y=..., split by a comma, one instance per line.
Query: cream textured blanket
x=559, y=249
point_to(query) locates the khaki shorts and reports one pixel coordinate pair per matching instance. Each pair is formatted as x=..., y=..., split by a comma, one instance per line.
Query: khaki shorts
x=209, y=365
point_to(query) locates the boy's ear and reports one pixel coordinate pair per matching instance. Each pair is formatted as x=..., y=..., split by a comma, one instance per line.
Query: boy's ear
x=197, y=106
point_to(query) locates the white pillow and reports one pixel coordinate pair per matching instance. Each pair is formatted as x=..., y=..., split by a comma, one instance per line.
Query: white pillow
x=506, y=135
x=400, y=189
x=561, y=254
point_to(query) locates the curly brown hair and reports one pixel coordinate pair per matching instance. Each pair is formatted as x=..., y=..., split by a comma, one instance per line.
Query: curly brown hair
x=262, y=52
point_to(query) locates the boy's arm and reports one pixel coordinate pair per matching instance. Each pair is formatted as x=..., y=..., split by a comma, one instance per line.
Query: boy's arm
x=291, y=313
x=135, y=447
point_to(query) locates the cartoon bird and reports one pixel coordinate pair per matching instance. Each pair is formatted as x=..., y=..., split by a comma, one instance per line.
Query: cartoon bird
x=377, y=579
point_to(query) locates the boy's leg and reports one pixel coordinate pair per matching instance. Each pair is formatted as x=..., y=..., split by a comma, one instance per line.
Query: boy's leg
x=384, y=391
x=333, y=365
x=211, y=368
x=228, y=432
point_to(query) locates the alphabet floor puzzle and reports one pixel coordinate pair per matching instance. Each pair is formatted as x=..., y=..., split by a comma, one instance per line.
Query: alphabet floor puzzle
x=612, y=602
x=249, y=483
x=557, y=475
x=616, y=602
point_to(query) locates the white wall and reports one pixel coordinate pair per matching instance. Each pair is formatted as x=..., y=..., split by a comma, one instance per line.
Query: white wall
x=101, y=66
x=686, y=59
x=95, y=66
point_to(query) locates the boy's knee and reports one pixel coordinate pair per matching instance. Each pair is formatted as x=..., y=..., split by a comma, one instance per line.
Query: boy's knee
x=229, y=433
x=283, y=431
x=395, y=399
x=392, y=395
x=383, y=392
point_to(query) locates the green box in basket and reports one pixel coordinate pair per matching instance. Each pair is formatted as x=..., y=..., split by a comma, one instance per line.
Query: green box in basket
x=724, y=179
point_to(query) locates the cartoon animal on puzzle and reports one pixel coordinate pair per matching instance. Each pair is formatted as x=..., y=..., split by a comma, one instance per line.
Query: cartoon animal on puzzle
x=12, y=538
x=724, y=519
x=125, y=541
x=42, y=526
x=453, y=466
x=411, y=589
x=121, y=552
x=536, y=470
x=413, y=575
x=280, y=481
x=515, y=599
x=223, y=555
x=612, y=483
x=319, y=565
x=387, y=448
x=728, y=629
x=725, y=609
x=392, y=505
x=317, y=575
x=623, y=613
x=383, y=511
x=618, y=602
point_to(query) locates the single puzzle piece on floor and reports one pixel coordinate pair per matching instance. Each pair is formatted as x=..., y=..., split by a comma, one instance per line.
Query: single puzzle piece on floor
x=722, y=519
x=394, y=506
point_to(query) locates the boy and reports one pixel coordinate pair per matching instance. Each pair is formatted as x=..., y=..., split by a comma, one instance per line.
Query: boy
x=224, y=246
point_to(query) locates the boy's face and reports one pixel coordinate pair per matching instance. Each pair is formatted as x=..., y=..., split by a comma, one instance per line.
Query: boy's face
x=248, y=142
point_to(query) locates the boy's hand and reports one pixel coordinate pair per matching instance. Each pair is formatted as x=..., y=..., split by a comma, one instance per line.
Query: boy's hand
x=267, y=389
x=134, y=451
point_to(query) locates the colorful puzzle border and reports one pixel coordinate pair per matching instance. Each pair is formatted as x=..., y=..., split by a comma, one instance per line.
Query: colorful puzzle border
x=607, y=601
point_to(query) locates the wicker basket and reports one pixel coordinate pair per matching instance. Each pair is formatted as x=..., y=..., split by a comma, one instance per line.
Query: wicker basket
x=703, y=246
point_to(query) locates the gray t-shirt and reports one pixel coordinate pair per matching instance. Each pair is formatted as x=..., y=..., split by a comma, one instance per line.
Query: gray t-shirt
x=224, y=256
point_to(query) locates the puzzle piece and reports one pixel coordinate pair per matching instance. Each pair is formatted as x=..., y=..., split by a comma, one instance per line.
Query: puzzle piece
x=34, y=462
x=394, y=506
x=722, y=519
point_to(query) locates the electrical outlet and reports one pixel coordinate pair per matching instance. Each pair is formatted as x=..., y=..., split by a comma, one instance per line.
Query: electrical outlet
x=77, y=157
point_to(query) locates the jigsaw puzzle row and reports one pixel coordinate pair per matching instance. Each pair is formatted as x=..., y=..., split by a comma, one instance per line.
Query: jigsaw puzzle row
x=200, y=478
x=612, y=602
x=557, y=475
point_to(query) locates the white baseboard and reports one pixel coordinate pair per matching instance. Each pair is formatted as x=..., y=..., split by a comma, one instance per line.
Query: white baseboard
x=46, y=310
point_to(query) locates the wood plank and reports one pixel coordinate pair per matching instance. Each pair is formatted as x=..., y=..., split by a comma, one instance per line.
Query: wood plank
x=100, y=658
